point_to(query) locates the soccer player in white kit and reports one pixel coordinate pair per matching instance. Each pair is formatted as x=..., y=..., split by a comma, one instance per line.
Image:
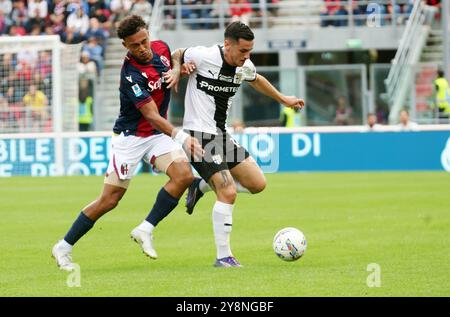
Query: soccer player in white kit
x=216, y=74
x=141, y=131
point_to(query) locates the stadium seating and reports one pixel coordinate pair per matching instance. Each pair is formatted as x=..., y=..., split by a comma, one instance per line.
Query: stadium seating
x=301, y=25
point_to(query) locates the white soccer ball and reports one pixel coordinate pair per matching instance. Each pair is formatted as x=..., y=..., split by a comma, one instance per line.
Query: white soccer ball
x=289, y=244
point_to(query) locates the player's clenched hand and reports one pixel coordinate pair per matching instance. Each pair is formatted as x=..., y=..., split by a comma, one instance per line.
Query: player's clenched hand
x=171, y=78
x=187, y=68
x=293, y=102
x=193, y=147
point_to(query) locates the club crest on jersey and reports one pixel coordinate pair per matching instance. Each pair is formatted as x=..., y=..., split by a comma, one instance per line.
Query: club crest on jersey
x=217, y=159
x=124, y=169
x=165, y=61
x=137, y=90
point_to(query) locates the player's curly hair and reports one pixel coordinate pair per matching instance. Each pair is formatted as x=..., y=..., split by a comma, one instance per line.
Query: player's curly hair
x=238, y=30
x=130, y=25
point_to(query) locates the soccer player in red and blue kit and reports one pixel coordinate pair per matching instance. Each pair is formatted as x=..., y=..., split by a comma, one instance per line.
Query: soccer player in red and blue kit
x=140, y=132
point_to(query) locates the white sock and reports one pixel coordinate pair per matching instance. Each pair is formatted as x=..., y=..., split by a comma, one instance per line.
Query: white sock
x=65, y=245
x=146, y=226
x=204, y=187
x=222, y=225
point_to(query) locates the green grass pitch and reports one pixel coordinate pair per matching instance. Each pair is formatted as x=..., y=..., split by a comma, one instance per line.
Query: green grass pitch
x=400, y=221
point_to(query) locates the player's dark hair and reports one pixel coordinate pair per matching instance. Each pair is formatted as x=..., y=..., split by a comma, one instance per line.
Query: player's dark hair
x=440, y=73
x=238, y=30
x=130, y=25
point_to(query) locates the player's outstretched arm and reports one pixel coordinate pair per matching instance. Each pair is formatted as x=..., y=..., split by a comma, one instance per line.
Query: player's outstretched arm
x=262, y=85
x=185, y=68
x=190, y=144
x=177, y=56
x=172, y=77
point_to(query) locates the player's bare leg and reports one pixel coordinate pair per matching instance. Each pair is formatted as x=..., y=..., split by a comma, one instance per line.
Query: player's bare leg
x=108, y=200
x=249, y=175
x=180, y=174
x=248, y=178
x=181, y=177
x=223, y=185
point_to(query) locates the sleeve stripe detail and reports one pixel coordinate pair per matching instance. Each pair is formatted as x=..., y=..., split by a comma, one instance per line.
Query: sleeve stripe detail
x=143, y=102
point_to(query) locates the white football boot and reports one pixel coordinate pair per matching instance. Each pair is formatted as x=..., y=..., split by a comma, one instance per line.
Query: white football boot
x=63, y=257
x=144, y=239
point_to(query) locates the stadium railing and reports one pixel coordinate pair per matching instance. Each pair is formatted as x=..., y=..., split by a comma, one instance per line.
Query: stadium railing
x=398, y=82
x=284, y=13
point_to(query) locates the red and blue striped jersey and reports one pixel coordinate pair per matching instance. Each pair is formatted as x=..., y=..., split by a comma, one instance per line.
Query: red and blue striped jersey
x=140, y=84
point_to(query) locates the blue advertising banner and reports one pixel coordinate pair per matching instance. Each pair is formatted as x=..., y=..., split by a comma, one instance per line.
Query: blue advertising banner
x=274, y=152
x=354, y=151
x=36, y=156
x=22, y=156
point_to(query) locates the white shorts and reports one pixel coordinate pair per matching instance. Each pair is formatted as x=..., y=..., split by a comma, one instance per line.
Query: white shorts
x=128, y=151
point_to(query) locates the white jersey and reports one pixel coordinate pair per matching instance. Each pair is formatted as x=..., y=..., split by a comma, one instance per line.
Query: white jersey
x=211, y=88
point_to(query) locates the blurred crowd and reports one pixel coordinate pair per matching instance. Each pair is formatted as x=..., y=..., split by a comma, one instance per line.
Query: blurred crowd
x=75, y=21
x=208, y=10
x=25, y=90
x=25, y=77
x=80, y=20
x=335, y=13
x=363, y=12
